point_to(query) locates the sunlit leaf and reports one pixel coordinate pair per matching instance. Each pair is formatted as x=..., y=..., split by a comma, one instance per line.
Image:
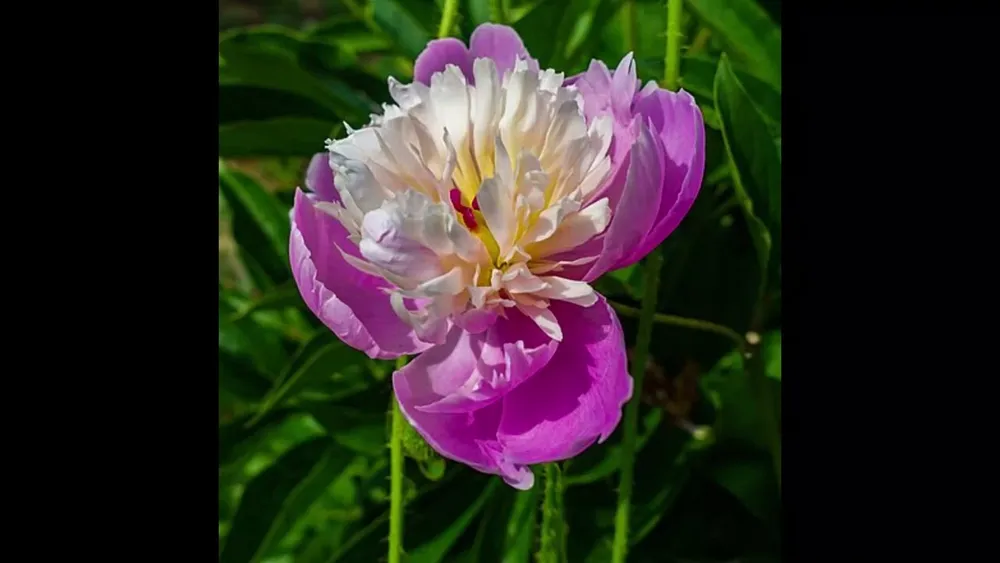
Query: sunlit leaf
x=280, y=495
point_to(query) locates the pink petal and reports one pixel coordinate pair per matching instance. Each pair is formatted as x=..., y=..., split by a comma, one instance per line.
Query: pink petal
x=319, y=178
x=440, y=53
x=577, y=397
x=500, y=43
x=635, y=213
x=467, y=437
x=469, y=371
x=595, y=87
x=678, y=121
x=349, y=302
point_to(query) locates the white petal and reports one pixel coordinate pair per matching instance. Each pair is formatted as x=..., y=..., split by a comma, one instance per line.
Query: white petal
x=354, y=178
x=576, y=292
x=574, y=230
x=497, y=210
x=545, y=321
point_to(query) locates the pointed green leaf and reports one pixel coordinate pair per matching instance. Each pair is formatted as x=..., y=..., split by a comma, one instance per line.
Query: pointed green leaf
x=698, y=77
x=261, y=226
x=281, y=494
x=751, y=480
x=277, y=137
x=756, y=167
x=435, y=550
x=321, y=358
x=399, y=23
x=277, y=298
x=236, y=441
x=747, y=30
x=770, y=347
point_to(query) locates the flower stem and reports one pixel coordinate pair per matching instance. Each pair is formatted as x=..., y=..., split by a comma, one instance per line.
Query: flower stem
x=552, y=539
x=672, y=58
x=448, y=18
x=646, y=317
x=396, y=479
x=682, y=321
x=631, y=23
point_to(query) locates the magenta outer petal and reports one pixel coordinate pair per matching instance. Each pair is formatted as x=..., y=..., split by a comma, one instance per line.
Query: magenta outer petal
x=682, y=130
x=500, y=43
x=469, y=438
x=319, y=178
x=438, y=54
x=635, y=213
x=469, y=371
x=348, y=301
x=577, y=398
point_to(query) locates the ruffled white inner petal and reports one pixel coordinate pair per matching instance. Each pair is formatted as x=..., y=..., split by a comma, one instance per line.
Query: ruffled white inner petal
x=458, y=195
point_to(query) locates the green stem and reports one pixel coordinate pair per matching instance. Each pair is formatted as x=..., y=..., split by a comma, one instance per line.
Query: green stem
x=448, y=18
x=396, y=479
x=552, y=541
x=672, y=58
x=681, y=321
x=646, y=317
x=631, y=23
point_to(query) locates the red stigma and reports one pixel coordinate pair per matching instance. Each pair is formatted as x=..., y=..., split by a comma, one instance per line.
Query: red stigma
x=465, y=211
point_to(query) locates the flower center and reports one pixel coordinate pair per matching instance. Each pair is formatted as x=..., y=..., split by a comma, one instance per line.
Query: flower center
x=474, y=198
x=473, y=220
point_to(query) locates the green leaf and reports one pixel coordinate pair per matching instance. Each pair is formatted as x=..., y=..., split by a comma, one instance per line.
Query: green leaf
x=261, y=226
x=367, y=541
x=258, y=346
x=406, y=29
x=698, y=77
x=435, y=550
x=521, y=526
x=662, y=471
x=239, y=377
x=274, y=71
x=750, y=146
x=650, y=26
x=751, y=480
x=277, y=137
x=282, y=59
x=274, y=299
x=320, y=358
x=357, y=418
x=236, y=441
x=770, y=348
x=730, y=390
x=756, y=169
x=748, y=31
x=479, y=12
x=238, y=102
x=281, y=494
x=554, y=32
x=585, y=470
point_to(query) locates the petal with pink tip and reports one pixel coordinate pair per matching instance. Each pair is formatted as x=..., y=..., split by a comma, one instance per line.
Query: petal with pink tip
x=500, y=43
x=440, y=53
x=319, y=178
x=349, y=302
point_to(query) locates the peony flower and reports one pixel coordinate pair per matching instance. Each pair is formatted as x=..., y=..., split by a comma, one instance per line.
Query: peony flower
x=466, y=223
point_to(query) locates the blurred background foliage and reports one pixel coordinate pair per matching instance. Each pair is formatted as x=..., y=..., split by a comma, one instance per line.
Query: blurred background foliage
x=303, y=462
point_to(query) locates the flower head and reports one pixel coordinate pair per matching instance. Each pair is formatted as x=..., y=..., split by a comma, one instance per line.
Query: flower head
x=466, y=222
